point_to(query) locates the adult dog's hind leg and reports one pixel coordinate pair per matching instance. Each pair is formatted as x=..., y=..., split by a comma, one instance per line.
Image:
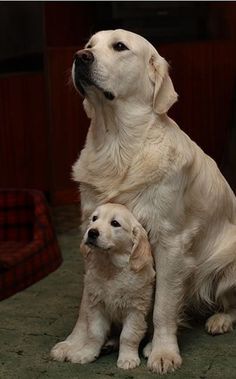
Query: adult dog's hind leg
x=223, y=322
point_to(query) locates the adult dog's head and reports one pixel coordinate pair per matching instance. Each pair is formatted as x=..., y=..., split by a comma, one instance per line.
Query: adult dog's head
x=118, y=64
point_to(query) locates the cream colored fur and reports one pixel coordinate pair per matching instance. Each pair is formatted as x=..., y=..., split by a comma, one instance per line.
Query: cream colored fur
x=118, y=288
x=137, y=156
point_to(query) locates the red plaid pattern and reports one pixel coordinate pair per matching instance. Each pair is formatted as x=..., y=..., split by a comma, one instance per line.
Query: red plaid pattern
x=16, y=215
x=28, y=245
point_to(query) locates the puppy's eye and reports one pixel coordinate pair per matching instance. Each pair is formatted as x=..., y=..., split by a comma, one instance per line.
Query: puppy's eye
x=119, y=46
x=115, y=224
x=94, y=218
x=89, y=46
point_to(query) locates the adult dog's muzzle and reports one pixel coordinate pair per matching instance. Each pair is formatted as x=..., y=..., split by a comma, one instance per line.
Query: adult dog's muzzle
x=83, y=60
x=82, y=75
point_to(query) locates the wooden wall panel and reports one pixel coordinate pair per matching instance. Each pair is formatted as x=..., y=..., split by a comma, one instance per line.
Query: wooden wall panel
x=69, y=124
x=68, y=23
x=204, y=75
x=24, y=155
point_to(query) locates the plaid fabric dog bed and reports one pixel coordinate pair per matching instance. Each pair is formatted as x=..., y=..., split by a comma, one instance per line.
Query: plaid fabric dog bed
x=28, y=245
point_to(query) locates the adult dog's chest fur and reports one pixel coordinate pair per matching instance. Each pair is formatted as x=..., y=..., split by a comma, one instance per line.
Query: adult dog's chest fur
x=148, y=183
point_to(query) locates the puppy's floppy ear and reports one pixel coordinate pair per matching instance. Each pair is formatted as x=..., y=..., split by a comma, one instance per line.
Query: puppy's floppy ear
x=141, y=254
x=85, y=250
x=164, y=95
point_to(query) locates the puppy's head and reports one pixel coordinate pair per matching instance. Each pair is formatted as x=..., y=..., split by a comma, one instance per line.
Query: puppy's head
x=122, y=64
x=113, y=230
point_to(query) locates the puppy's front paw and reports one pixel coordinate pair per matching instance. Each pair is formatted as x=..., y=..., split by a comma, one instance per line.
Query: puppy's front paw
x=60, y=350
x=163, y=361
x=219, y=323
x=110, y=345
x=147, y=350
x=128, y=361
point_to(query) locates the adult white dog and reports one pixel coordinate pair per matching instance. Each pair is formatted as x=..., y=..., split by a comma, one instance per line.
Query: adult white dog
x=137, y=156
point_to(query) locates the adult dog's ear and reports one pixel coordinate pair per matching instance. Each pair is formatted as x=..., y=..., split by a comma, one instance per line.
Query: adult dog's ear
x=164, y=95
x=141, y=254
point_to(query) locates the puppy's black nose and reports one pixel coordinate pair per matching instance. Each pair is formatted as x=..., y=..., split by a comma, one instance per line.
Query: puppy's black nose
x=84, y=57
x=93, y=234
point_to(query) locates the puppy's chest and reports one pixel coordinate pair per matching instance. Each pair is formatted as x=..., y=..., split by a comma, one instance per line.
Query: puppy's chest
x=118, y=294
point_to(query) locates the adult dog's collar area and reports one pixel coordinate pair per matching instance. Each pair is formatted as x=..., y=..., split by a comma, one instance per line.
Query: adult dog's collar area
x=83, y=79
x=79, y=87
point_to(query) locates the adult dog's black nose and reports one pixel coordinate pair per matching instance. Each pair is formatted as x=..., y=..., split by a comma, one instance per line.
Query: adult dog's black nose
x=93, y=234
x=83, y=57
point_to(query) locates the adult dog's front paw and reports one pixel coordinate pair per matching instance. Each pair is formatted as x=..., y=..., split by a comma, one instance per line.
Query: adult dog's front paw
x=71, y=352
x=85, y=355
x=163, y=361
x=60, y=351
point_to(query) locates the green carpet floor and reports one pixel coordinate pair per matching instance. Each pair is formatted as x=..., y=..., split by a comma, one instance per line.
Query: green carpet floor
x=32, y=321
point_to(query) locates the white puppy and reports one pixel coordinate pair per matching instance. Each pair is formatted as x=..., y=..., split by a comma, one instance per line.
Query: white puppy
x=137, y=156
x=118, y=287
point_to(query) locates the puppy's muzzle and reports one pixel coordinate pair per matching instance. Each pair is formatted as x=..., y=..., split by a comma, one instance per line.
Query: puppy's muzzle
x=93, y=235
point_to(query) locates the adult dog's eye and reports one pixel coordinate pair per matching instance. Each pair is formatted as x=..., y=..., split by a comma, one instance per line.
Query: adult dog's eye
x=119, y=46
x=115, y=223
x=94, y=218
